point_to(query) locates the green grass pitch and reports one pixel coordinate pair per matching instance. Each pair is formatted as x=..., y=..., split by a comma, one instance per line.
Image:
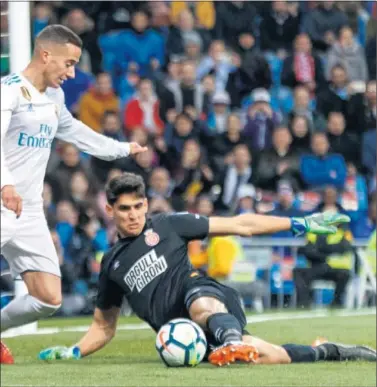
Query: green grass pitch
x=131, y=359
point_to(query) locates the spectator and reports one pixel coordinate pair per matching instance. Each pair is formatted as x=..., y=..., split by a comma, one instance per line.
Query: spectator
x=96, y=101
x=334, y=96
x=330, y=201
x=188, y=93
x=280, y=162
x=368, y=152
x=69, y=164
x=321, y=167
x=286, y=203
x=323, y=24
x=278, y=29
x=246, y=199
x=204, y=12
x=175, y=136
x=117, y=16
x=142, y=111
x=82, y=192
x=83, y=26
x=303, y=67
x=300, y=134
x=161, y=187
x=49, y=203
x=301, y=107
x=251, y=70
x=365, y=227
x=330, y=258
x=233, y=176
x=208, y=85
x=370, y=48
x=194, y=176
x=347, y=52
x=159, y=205
x=218, y=117
x=167, y=84
x=217, y=62
x=141, y=164
x=111, y=127
x=141, y=49
x=261, y=121
x=193, y=49
x=75, y=88
x=160, y=184
x=342, y=141
x=233, y=18
x=43, y=16
x=221, y=149
x=84, y=248
x=101, y=202
x=182, y=32
x=370, y=51
x=362, y=110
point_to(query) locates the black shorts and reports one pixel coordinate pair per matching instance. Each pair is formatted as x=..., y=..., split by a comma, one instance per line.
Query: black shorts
x=197, y=286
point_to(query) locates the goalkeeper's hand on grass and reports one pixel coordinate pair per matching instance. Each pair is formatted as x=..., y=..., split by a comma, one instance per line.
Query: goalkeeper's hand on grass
x=60, y=353
x=320, y=223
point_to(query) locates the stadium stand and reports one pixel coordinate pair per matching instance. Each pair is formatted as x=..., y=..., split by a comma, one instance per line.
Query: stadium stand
x=249, y=106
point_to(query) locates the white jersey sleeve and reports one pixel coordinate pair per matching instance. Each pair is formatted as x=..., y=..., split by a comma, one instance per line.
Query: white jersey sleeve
x=9, y=102
x=86, y=139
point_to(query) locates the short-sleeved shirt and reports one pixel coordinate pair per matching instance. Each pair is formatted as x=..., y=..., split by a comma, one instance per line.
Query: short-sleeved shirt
x=150, y=269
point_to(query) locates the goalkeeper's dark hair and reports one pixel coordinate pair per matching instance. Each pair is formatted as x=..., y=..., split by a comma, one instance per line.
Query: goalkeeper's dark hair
x=127, y=183
x=59, y=34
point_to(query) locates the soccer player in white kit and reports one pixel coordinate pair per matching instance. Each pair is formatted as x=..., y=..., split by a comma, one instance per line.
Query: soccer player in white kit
x=33, y=113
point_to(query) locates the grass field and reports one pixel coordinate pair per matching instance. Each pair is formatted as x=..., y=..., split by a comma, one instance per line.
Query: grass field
x=131, y=359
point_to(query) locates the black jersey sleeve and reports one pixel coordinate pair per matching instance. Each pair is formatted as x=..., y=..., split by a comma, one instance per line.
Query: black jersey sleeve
x=109, y=293
x=189, y=226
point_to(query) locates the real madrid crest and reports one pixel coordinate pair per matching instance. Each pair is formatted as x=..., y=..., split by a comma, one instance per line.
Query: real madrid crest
x=25, y=93
x=151, y=238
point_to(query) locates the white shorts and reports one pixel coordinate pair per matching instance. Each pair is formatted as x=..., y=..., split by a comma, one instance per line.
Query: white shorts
x=26, y=243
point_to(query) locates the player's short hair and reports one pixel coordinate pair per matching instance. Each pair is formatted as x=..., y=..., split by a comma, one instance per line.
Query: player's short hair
x=127, y=183
x=59, y=34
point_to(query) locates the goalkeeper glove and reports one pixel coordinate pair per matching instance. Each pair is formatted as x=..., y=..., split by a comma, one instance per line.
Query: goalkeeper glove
x=60, y=353
x=320, y=223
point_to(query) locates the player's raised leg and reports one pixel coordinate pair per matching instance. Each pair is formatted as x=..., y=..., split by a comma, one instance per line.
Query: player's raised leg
x=38, y=264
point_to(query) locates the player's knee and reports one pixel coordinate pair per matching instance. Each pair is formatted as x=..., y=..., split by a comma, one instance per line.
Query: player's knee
x=53, y=299
x=202, y=308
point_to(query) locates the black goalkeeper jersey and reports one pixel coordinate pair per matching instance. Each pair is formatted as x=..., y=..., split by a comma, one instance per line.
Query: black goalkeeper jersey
x=150, y=269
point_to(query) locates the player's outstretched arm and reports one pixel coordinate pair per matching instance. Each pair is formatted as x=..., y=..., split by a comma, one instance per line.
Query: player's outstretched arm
x=100, y=333
x=253, y=224
x=95, y=144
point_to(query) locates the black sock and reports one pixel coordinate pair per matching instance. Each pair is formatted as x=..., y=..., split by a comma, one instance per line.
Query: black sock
x=301, y=353
x=327, y=351
x=224, y=327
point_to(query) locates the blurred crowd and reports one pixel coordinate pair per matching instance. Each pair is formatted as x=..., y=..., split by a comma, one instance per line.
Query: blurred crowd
x=266, y=107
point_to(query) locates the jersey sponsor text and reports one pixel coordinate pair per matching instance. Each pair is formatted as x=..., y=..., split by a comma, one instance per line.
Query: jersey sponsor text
x=144, y=270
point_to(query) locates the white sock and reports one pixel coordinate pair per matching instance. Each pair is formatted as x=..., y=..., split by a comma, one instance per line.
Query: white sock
x=24, y=310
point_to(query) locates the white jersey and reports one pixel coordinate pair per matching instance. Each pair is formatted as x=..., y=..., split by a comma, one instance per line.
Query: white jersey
x=30, y=120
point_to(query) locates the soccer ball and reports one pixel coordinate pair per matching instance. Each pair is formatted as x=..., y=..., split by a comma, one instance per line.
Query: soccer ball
x=181, y=343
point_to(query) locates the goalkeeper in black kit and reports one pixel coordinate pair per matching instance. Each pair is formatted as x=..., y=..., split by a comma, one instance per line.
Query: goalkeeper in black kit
x=149, y=266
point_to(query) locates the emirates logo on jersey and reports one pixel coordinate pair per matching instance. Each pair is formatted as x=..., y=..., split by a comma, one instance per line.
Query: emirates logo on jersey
x=151, y=238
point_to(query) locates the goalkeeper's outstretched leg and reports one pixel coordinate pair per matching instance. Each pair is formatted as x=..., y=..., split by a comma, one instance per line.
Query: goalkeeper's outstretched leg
x=294, y=353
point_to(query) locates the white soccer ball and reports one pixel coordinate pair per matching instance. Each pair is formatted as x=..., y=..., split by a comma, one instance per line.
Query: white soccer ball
x=181, y=343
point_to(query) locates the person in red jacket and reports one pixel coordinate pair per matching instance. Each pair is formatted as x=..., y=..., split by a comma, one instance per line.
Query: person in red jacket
x=142, y=111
